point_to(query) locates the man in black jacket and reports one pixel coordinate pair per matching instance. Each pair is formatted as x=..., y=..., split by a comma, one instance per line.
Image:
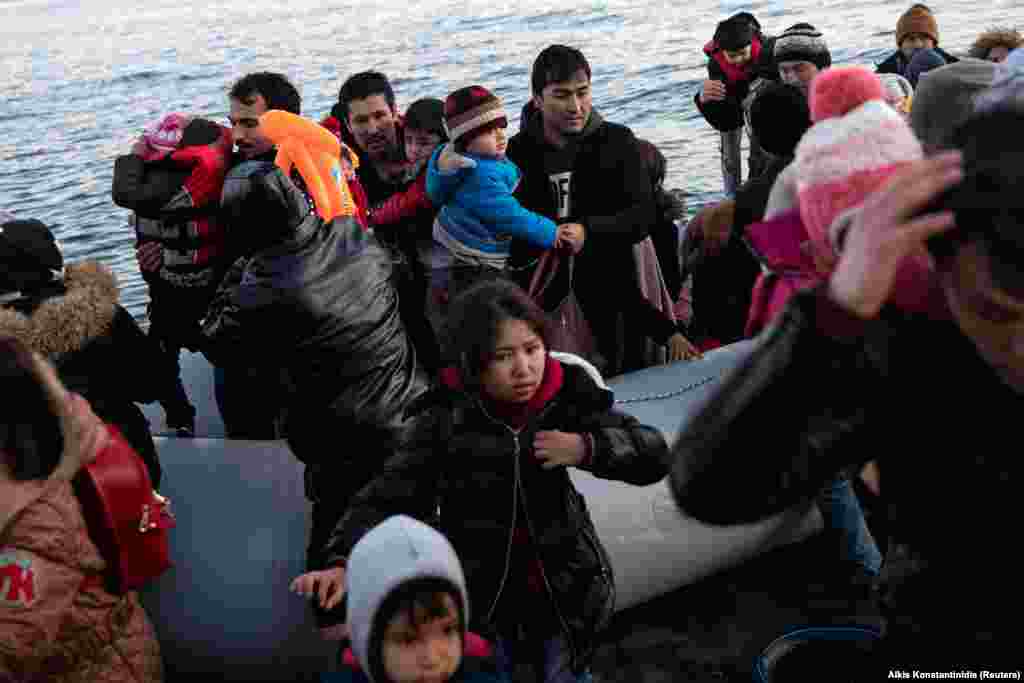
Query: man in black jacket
x=246, y=395
x=371, y=125
x=315, y=299
x=740, y=60
x=840, y=380
x=916, y=30
x=588, y=175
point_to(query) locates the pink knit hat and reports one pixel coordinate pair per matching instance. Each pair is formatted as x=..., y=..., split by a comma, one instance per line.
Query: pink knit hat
x=163, y=137
x=841, y=89
x=855, y=145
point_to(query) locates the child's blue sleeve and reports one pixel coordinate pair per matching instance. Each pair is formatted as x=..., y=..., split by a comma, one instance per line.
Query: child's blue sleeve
x=441, y=186
x=497, y=208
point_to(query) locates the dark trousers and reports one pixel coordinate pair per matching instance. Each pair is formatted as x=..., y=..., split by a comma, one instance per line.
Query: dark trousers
x=174, y=316
x=249, y=401
x=330, y=488
x=413, y=283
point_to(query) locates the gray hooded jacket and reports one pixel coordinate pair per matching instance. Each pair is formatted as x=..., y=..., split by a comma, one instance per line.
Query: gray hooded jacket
x=397, y=550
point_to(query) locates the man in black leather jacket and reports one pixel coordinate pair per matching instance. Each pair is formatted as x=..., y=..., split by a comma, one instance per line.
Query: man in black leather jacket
x=316, y=300
x=840, y=380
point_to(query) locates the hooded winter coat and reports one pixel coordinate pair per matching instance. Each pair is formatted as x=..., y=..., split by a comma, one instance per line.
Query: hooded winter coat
x=58, y=621
x=483, y=474
x=397, y=551
x=97, y=347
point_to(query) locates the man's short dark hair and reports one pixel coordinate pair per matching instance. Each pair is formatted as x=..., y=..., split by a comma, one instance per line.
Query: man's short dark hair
x=276, y=89
x=555, y=64
x=359, y=87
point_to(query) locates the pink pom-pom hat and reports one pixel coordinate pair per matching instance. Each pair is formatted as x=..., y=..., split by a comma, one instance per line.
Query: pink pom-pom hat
x=856, y=144
x=841, y=89
x=164, y=136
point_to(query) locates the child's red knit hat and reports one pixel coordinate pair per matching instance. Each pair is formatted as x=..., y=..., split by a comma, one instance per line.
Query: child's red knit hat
x=468, y=112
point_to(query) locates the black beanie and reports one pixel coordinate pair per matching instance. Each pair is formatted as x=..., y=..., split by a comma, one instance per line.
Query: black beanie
x=735, y=33
x=780, y=116
x=802, y=43
x=28, y=246
x=28, y=252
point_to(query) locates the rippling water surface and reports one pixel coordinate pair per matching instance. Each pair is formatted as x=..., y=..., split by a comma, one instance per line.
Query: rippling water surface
x=79, y=80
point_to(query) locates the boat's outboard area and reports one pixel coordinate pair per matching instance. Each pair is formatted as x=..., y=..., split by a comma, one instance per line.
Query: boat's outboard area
x=243, y=525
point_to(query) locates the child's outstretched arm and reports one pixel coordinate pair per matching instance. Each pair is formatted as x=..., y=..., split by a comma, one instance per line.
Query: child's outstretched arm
x=402, y=206
x=717, y=104
x=328, y=585
x=498, y=208
x=445, y=172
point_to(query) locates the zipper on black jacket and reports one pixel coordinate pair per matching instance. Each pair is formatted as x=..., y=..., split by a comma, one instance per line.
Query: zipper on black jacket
x=544, y=574
x=515, y=510
x=516, y=490
x=529, y=527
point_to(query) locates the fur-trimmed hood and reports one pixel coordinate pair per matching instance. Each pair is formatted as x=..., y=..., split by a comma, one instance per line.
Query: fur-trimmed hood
x=66, y=323
x=1009, y=38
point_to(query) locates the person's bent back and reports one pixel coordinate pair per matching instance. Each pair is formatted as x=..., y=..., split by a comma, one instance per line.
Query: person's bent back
x=314, y=298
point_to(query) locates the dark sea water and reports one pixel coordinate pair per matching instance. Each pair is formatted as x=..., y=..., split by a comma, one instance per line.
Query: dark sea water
x=79, y=80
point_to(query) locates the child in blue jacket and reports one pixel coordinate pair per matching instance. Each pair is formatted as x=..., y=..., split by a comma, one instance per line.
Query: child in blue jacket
x=472, y=182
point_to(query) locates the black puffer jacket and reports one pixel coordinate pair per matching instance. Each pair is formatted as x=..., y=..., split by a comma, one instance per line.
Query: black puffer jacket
x=484, y=473
x=97, y=347
x=824, y=391
x=315, y=299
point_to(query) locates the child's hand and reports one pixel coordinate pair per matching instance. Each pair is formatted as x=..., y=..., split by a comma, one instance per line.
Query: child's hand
x=449, y=161
x=712, y=91
x=872, y=478
x=559, y=449
x=328, y=585
x=571, y=235
x=680, y=348
x=140, y=148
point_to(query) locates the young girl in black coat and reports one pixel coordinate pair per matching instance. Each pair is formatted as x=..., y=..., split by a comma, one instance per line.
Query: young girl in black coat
x=491, y=452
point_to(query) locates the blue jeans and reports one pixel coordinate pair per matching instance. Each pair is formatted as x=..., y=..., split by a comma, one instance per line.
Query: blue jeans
x=549, y=658
x=842, y=513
